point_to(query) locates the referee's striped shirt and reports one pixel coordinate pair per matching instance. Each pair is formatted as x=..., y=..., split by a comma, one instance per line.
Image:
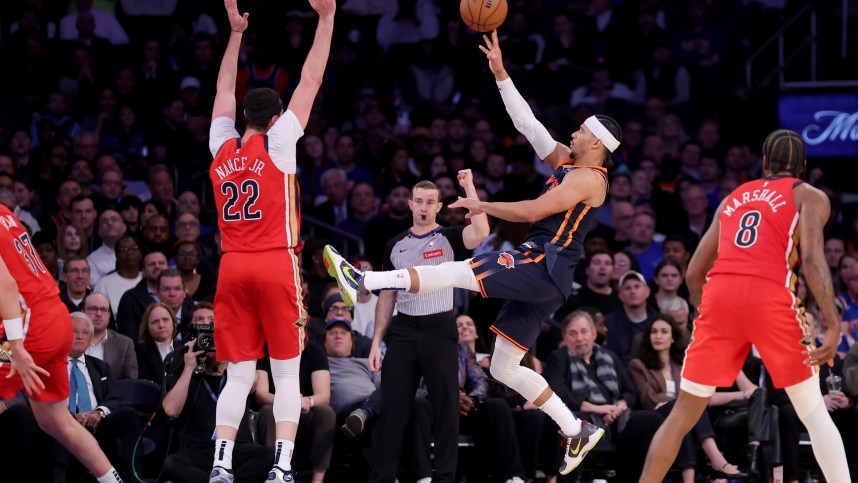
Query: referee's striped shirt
x=406, y=250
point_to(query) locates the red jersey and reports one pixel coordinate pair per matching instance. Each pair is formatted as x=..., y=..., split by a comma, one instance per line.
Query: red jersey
x=35, y=284
x=759, y=232
x=255, y=186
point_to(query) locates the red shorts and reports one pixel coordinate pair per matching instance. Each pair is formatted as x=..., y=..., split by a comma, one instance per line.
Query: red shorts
x=258, y=300
x=738, y=311
x=48, y=340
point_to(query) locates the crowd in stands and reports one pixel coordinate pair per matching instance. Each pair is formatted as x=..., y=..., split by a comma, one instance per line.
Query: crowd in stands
x=104, y=156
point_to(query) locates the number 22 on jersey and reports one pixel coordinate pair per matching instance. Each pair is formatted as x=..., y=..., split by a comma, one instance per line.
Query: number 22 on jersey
x=248, y=192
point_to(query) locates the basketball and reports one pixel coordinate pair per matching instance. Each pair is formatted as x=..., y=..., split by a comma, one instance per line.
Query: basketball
x=483, y=15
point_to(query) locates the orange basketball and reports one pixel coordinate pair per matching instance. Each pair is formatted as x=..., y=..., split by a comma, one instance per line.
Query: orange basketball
x=483, y=15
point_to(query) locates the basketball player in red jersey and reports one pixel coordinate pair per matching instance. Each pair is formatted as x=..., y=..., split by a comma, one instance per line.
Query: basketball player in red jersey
x=747, y=256
x=37, y=336
x=259, y=291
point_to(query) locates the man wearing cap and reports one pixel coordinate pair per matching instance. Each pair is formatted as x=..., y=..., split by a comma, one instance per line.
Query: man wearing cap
x=536, y=278
x=335, y=309
x=630, y=319
x=352, y=380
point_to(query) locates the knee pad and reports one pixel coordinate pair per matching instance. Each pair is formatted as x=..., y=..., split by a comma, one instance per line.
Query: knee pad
x=232, y=401
x=506, y=367
x=287, y=395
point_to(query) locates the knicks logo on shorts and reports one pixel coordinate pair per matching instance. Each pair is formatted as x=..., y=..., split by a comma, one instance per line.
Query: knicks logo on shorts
x=505, y=260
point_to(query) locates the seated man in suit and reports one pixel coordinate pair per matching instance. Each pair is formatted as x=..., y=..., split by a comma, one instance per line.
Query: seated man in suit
x=108, y=345
x=134, y=302
x=116, y=428
x=592, y=380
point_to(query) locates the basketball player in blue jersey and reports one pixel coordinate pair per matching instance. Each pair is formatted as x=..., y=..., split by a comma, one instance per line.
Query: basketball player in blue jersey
x=536, y=278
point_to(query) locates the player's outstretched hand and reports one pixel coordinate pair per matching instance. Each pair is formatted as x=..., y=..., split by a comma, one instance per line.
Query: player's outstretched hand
x=494, y=55
x=237, y=21
x=375, y=357
x=473, y=206
x=825, y=353
x=466, y=178
x=24, y=366
x=325, y=8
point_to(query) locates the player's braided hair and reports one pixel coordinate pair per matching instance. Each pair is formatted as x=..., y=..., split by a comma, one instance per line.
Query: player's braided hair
x=784, y=150
x=614, y=128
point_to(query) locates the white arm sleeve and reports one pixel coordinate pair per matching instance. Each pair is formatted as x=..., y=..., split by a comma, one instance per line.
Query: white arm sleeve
x=282, y=137
x=221, y=131
x=524, y=120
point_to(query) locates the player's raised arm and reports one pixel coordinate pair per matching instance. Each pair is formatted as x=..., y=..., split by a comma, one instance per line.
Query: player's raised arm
x=224, y=103
x=478, y=230
x=549, y=150
x=314, y=67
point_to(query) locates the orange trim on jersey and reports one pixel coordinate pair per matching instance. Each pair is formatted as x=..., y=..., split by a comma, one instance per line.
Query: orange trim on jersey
x=562, y=225
x=537, y=259
x=575, y=226
x=508, y=338
x=478, y=264
x=482, y=288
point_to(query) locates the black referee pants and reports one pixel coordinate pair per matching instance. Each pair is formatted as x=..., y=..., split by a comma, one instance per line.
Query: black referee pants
x=424, y=346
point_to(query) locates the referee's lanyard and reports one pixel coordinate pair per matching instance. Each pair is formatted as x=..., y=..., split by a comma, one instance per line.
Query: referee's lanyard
x=213, y=396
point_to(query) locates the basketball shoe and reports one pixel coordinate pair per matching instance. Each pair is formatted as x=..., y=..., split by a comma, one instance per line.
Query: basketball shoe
x=221, y=475
x=576, y=447
x=347, y=276
x=279, y=475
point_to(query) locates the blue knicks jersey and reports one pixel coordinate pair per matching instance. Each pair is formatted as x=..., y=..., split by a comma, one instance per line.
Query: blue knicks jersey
x=560, y=237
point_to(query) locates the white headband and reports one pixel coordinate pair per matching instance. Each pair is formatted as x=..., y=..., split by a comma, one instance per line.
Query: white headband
x=601, y=132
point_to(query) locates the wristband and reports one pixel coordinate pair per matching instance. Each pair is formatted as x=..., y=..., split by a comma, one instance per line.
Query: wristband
x=312, y=403
x=239, y=31
x=14, y=328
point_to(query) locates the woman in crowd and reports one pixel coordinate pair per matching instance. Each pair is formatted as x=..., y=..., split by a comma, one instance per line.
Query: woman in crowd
x=656, y=373
x=70, y=241
x=668, y=280
x=157, y=340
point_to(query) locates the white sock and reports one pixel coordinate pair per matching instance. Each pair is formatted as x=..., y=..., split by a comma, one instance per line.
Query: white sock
x=110, y=477
x=824, y=436
x=450, y=274
x=569, y=424
x=392, y=280
x=223, y=453
x=283, y=454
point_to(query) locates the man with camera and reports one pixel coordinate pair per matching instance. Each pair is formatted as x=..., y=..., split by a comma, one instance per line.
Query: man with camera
x=194, y=383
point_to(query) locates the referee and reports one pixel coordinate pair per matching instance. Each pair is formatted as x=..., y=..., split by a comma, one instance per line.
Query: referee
x=422, y=339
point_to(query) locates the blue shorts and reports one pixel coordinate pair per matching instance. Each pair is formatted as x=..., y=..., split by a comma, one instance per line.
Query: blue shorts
x=531, y=295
